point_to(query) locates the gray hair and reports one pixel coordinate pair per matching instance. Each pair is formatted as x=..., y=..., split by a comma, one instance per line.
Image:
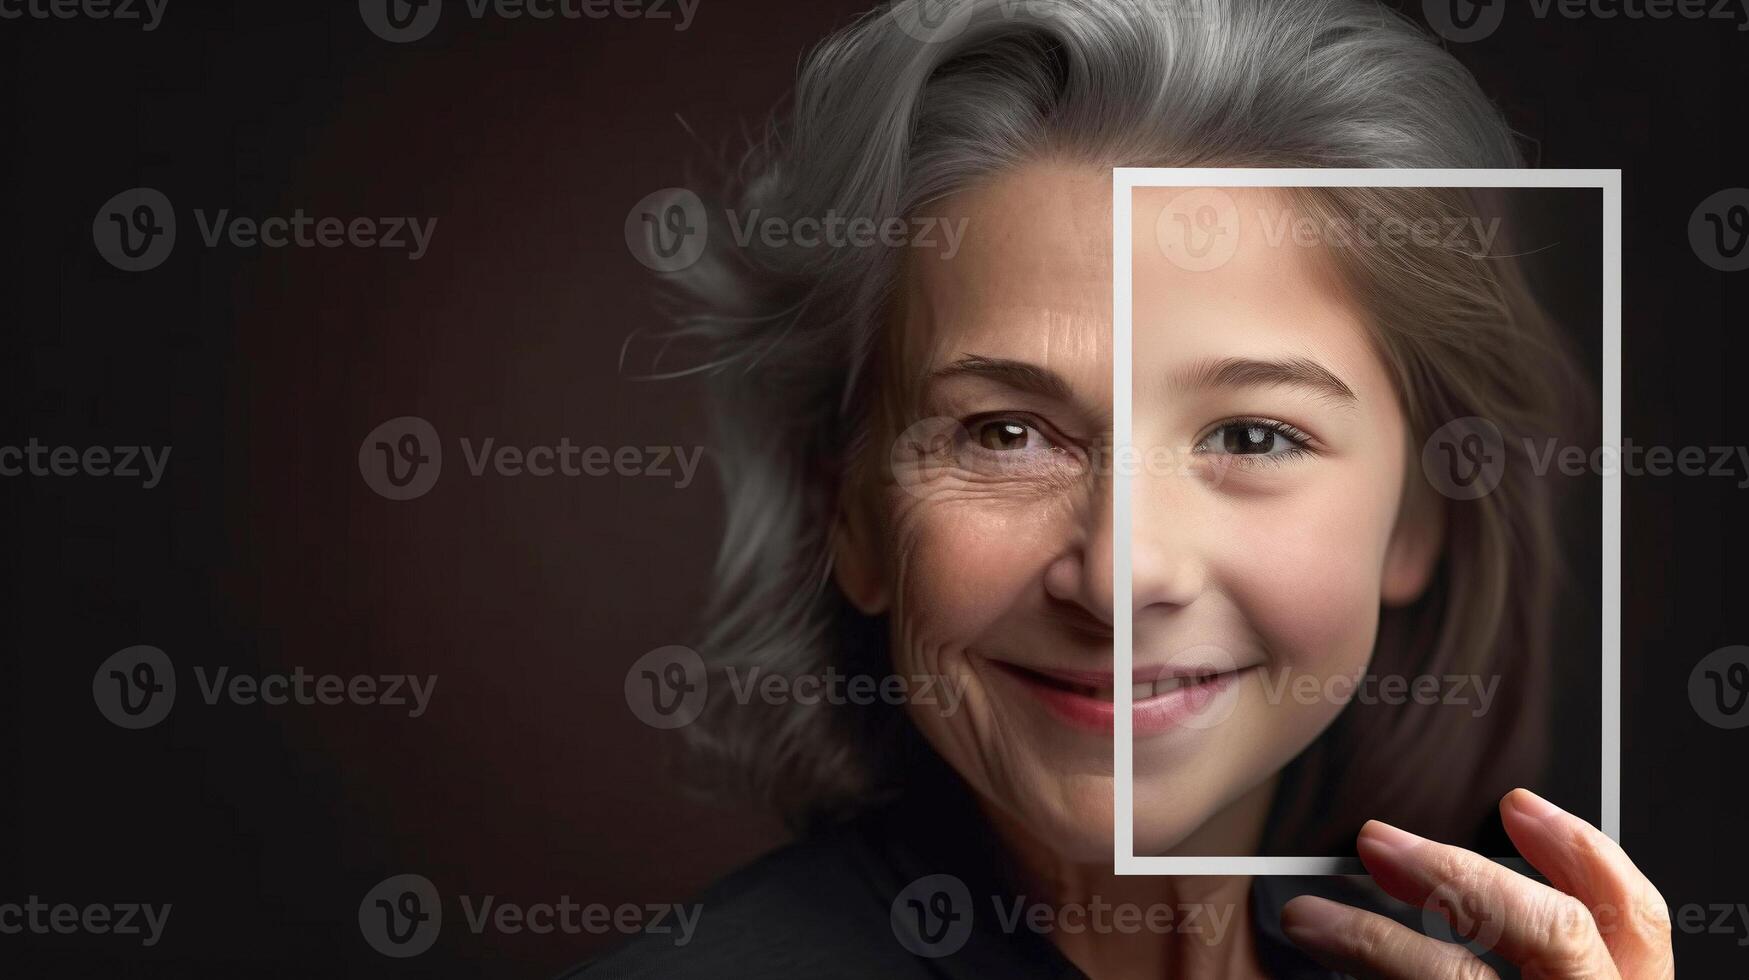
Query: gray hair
x=887, y=118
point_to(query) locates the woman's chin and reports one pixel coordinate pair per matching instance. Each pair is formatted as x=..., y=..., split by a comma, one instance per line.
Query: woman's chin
x=1082, y=831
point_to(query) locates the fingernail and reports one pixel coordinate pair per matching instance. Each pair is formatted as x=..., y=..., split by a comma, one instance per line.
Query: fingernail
x=1311, y=921
x=1387, y=841
x=1530, y=805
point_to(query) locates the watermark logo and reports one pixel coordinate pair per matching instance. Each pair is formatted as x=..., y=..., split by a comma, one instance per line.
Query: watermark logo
x=1474, y=921
x=1719, y=230
x=1464, y=21
x=936, y=457
x=405, y=21
x=1198, y=230
x=940, y=21
x=402, y=458
x=1465, y=459
x=1718, y=687
x=123, y=462
x=1469, y=235
x=667, y=230
x=932, y=916
x=401, y=916
x=33, y=915
x=1208, y=708
x=922, y=456
x=667, y=687
x=150, y=13
x=135, y=688
x=400, y=21
x=135, y=230
x=933, y=21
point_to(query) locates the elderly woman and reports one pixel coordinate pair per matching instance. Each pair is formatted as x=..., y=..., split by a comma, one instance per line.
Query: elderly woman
x=915, y=446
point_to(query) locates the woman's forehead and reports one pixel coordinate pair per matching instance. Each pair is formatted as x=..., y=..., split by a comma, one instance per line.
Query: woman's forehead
x=1032, y=282
x=1032, y=278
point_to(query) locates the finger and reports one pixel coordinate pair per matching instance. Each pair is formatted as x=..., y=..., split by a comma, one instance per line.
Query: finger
x=1545, y=932
x=1372, y=947
x=1582, y=861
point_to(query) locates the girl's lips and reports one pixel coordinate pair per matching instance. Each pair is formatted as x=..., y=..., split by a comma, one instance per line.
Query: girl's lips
x=1161, y=698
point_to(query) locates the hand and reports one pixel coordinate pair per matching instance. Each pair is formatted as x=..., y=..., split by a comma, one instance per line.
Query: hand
x=1601, y=920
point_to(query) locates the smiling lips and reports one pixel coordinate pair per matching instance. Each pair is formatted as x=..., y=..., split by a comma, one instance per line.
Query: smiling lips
x=1162, y=697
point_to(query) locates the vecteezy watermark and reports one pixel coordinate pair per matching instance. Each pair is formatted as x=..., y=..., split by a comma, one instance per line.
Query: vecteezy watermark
x=121, y=462
x=403, y=21
x=1474, y=920
x=835, y=230
x=1467, y=234
x=136, y=687
x=36, y=916
x=402, y=458
x=1477, y=920
x=935, y=456
x=1631, y=459
x=402, y=915
x=1474, y=20
x=938, y=21
x=1718, y=687
x=1718, y=230
x=667, y=230
x=667, y=688
x=1474, y=692
x=835, y=688
x=149, y=13
x=1466, y=459
x=933, y=916
x=136, y=231
x=1199, y=229
x=1713, y=919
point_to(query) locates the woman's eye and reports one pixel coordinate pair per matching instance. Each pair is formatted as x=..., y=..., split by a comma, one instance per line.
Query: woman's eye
x=1006, y=435
x=1255, y=437
x=1013, y=446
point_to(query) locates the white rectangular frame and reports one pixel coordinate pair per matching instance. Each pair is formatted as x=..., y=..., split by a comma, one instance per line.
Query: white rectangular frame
x=1124, y=182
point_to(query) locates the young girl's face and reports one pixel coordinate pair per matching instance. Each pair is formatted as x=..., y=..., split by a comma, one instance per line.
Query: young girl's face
x=1266, y=472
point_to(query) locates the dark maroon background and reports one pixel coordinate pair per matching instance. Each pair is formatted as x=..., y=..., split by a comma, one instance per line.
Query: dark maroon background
x=264, y=549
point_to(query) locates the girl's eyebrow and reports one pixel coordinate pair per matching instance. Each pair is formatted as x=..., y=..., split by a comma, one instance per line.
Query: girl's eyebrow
x=1244, y=372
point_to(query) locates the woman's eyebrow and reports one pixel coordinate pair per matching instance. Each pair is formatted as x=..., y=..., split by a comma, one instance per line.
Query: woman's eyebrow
x=1243, y=372
x=1015, y=374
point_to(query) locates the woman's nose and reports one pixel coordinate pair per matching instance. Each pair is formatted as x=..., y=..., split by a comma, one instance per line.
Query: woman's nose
x=1165, y=568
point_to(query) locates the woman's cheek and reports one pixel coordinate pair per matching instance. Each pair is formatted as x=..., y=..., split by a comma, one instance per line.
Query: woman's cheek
x=968, y=569
x=964, y=566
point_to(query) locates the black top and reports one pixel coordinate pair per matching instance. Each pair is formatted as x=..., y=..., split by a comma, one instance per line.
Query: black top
x=916, y=889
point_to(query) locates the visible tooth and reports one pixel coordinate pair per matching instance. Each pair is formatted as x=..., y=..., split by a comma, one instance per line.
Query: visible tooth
x=1102, y=693
x=1142, y=692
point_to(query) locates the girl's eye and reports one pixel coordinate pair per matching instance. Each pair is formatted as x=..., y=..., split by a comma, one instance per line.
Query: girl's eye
x=1255, y=438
